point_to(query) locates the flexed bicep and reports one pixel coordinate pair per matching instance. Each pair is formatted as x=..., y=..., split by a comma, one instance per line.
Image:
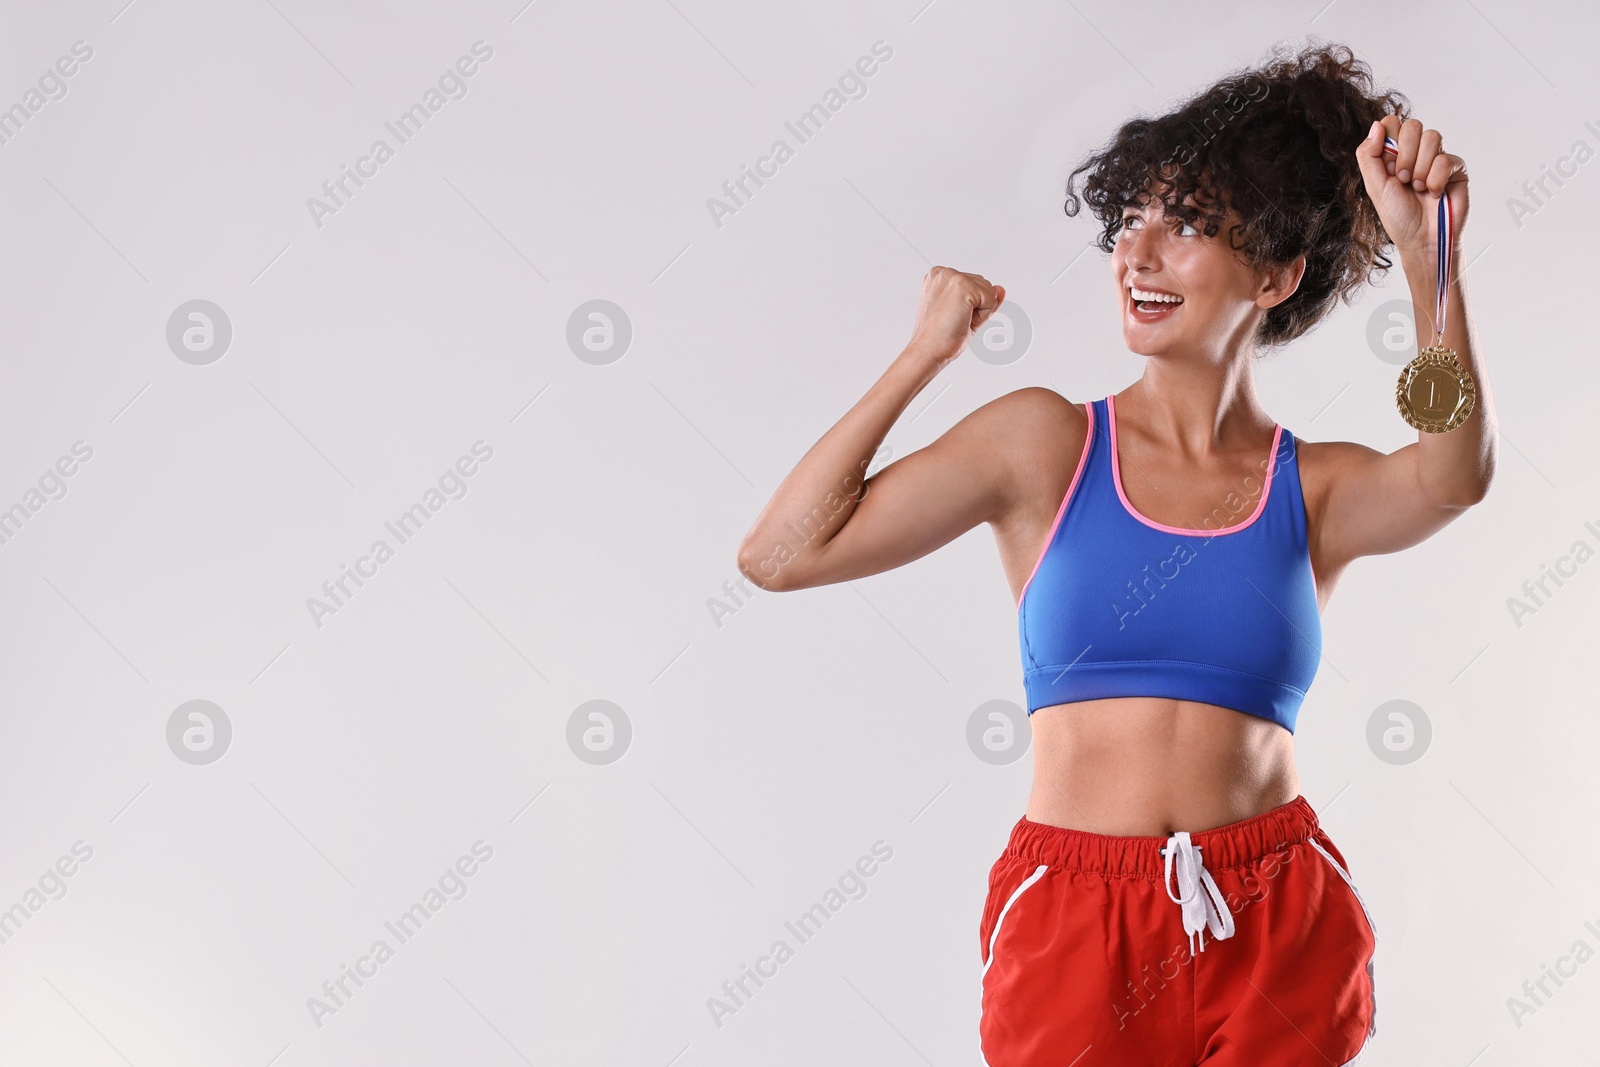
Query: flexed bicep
x=1374, y=503
x=920, y=502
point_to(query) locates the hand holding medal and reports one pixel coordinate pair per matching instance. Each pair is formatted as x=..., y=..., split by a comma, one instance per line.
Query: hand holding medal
x=1435, y=393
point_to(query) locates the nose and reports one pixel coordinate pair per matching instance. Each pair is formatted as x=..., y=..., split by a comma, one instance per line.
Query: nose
x=1142, y=247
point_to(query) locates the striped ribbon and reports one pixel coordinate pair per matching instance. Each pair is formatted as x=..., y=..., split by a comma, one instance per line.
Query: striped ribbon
x=1447, y=227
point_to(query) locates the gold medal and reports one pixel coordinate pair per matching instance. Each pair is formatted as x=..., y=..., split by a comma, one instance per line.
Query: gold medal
x=1435, y=393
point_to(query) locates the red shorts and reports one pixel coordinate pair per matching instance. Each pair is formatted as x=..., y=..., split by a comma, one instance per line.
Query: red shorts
x=1089, y=960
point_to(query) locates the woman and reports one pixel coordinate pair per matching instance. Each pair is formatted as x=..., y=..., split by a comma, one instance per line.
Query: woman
x=1170, y=548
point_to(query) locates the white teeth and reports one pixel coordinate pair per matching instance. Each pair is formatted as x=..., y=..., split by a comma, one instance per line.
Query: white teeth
x=1142, y=294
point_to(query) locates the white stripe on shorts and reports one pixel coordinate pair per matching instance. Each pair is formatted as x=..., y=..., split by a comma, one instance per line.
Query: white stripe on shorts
x=995, y=933
x=1371, y=969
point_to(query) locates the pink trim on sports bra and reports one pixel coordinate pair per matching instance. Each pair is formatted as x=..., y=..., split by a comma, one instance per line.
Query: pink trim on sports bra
x=1077, y=476
x=1116, y=480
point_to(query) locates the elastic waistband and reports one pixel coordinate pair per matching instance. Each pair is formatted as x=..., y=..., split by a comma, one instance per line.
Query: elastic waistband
x=1233, y=845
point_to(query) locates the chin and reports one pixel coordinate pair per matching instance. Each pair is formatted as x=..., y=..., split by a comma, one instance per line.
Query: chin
x=1142, y=346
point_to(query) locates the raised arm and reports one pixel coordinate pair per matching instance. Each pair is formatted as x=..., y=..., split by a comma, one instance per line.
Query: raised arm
x=1376, y=503
x=826, y=524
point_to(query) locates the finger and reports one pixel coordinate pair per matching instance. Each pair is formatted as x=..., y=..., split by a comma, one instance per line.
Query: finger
x=1449, y=171
x=1427, y=152
x=1446, y=169
x=983, y=304
x=989, y=300
x=1370, y=157
x=1410, y=139
x=1391, y=130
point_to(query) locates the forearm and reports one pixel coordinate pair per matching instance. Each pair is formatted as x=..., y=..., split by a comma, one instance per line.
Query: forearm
x=1454, y=467
x=816, y=498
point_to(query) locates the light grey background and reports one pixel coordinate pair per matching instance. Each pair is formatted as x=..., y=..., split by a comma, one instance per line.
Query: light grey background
x=771, y=748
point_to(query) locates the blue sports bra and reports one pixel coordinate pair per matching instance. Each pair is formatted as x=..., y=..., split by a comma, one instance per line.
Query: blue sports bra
x=1120, y=605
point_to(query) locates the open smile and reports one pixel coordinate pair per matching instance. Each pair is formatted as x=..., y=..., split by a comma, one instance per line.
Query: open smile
x=1149, y=304
x=1151, y=310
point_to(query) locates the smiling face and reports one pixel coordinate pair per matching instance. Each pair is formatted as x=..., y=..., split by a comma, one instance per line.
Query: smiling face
x=1183, y=293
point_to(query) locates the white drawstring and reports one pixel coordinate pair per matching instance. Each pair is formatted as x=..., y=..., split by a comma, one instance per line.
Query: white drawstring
x=1200, y=909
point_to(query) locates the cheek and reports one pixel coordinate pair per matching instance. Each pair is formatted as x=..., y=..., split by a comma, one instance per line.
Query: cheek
x=1118, y=266
x=1214, y=280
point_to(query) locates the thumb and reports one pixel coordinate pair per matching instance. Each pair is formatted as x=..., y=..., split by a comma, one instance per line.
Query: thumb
x=1369, y=157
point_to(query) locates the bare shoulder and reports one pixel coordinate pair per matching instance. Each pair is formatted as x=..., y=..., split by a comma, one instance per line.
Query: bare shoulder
x=1035, y=424
x=1039, y=406
x=1324, y=460
x=1038, y=435
x=1322, y=463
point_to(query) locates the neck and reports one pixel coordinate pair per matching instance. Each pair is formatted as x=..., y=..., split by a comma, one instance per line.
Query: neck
x=1202, y=408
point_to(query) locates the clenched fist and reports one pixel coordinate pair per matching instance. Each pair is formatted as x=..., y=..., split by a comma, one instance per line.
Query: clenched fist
x=953, y=304
x=1407, y=189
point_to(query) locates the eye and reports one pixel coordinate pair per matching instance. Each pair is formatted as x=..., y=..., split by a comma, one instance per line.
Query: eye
x=1128, y=221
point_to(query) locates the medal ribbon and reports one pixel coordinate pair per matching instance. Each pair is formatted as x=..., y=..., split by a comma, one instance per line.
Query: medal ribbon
x=1447, y=227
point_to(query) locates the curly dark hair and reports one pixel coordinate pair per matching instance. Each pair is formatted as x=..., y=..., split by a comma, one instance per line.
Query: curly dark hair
x=1276, y=144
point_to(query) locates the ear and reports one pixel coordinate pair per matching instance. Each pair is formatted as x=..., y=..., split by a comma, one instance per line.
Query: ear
x=1278, y=285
